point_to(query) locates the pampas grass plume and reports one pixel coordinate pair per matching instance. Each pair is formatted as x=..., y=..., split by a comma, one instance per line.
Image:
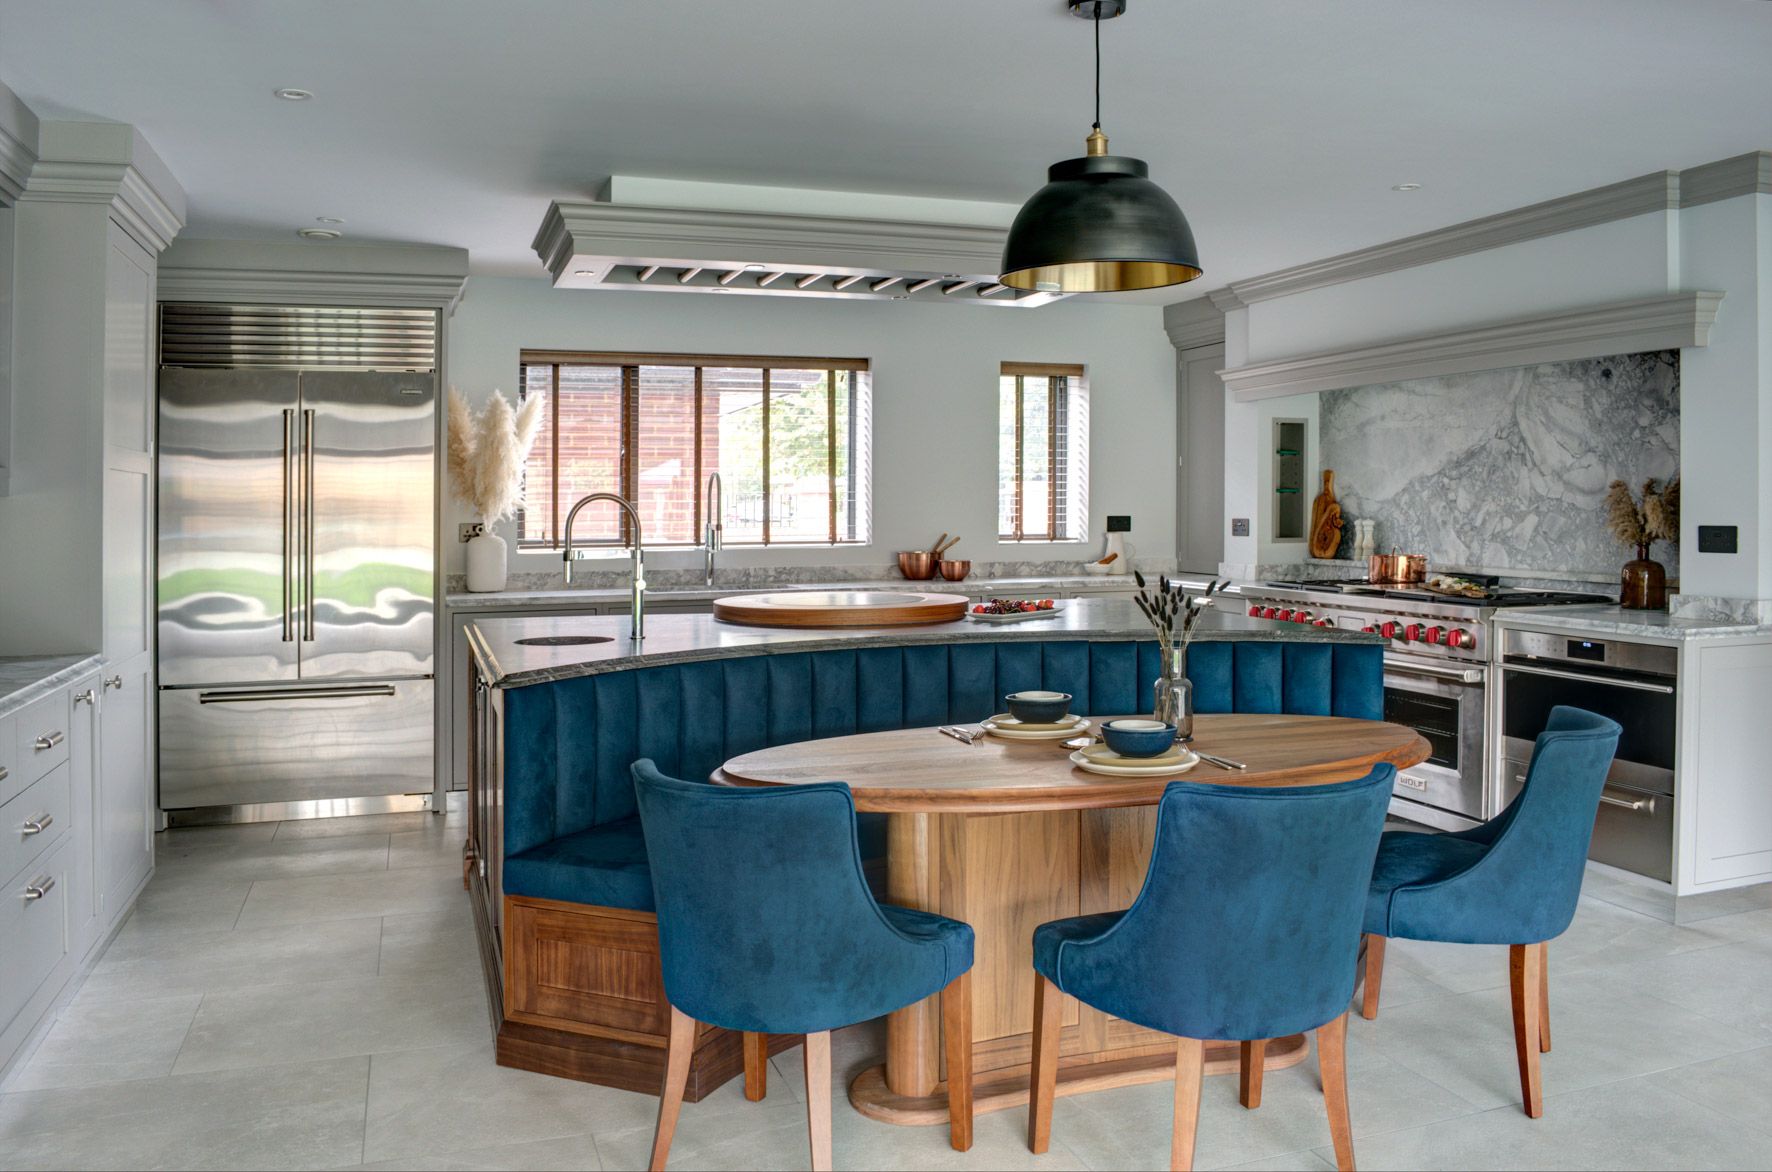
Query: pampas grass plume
x=485, y=456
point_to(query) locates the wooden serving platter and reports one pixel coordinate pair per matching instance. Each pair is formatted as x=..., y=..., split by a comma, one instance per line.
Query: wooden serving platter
x=841, y=608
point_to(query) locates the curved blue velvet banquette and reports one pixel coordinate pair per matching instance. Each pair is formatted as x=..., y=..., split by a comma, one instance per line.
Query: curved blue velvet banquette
x=571, y=830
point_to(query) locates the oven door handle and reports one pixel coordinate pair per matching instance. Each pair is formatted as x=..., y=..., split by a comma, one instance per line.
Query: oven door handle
x=1464, y=675
x=1604, y=681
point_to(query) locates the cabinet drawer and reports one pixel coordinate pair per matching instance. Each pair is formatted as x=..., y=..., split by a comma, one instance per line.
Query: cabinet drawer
x=11, y=776
x=41, y=736
x=34, y=820
x=34, y=929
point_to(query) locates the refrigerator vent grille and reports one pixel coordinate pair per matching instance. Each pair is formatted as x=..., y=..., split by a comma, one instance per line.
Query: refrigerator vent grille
x=287, y=336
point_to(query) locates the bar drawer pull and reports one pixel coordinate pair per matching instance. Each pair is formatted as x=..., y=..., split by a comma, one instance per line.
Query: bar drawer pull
x=267, y=695
x=37, y=825
x=50, y=740
x=38, y=888
x=1642, y=805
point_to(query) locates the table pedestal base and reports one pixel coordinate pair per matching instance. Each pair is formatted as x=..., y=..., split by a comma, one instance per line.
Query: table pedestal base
x=1008, y=1087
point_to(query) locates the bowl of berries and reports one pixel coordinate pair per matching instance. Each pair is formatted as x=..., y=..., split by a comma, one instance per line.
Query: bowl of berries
x=1014, y=610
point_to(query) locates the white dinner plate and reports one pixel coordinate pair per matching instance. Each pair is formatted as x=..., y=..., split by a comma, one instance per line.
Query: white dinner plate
x=1005, y=726
x=1111, y=767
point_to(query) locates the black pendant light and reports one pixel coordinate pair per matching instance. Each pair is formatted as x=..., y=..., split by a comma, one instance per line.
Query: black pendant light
x=1099, y=225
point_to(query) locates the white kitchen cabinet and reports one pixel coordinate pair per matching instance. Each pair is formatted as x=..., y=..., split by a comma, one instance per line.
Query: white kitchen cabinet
x=124, y=796
x=83, y=758
x=1723, y=821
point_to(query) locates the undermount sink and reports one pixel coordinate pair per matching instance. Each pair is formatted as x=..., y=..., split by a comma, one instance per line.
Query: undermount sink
x=563, y=640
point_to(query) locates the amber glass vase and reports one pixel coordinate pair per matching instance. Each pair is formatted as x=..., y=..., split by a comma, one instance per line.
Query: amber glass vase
x=1643, y=583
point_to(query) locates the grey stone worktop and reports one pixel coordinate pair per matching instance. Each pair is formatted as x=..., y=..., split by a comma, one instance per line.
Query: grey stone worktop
x=24, y=678
x=682, y=638
x=1652, y=625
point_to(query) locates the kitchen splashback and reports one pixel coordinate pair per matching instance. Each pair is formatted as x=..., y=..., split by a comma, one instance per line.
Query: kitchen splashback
x=1506, y=469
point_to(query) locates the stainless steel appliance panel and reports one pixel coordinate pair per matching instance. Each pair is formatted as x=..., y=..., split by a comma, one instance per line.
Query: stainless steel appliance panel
x=238, y=746
x=1445, y=705
x=368, y=560
x=227, y=487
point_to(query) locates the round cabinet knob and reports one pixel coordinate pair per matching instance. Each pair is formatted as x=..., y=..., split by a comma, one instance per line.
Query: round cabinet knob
x=1460, y=639
x=1435, y=634
x=1412, y=633
x=1388, y=630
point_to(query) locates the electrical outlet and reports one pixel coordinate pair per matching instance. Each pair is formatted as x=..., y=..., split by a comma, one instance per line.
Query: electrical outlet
x=1119, y=524
x=1718, y=539
x=471, y=530
x=1239, y=526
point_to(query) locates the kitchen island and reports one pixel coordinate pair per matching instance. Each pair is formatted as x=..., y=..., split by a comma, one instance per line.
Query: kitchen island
x=562, y=706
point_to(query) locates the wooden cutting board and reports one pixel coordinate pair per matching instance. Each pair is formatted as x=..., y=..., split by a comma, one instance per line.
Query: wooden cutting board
x=1325, y=533
x=841, y=608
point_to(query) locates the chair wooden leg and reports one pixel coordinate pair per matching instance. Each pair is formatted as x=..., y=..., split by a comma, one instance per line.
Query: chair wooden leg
x=756, y=1066
x=1374, y=976
x=1251, y=1065
x=1524, y=982
x=818, y=1099
x=1332, y=1066
x=1190, y=1072
x=1048, y=1006
x=678, y=1052
x=1544, y=998
x=956, y=1028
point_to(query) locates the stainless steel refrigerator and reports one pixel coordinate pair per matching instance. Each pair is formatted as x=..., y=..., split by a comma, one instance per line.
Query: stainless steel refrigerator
x=297, y=560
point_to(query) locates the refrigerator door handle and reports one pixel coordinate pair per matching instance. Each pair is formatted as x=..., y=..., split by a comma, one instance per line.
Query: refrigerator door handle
x=266, y=695
x=307, y=529
x=289, y=525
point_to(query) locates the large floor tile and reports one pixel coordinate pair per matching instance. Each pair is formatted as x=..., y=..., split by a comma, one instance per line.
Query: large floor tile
x=339, y=897
x=176, y=901
x=304, y=1115
x=279, y=860
x=1739, y=1085
x=432, y=846
x=431, y=944
x=1619, y=1125
x=162, y=964
x=357, y=824
x=181, y=836
x=331, y=1019
x=108, y=1041
x=1604, y=1026
x=1731, y=984
x=540, y=1155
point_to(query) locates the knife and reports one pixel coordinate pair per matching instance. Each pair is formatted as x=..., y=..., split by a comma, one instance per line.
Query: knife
x=1221, y=762
x=957, y=734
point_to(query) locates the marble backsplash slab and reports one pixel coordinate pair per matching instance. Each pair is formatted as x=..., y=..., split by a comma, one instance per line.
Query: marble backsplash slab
x=755, y=577
x=1506, y=469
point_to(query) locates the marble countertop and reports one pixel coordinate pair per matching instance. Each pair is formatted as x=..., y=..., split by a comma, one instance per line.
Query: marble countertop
x=519, y=599
x=1655, y=625
x=24, y=678
x=683, y=638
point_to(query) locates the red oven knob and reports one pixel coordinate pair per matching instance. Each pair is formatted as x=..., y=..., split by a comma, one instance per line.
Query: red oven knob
x=1272, y=612
x=1460, y=639
x=1303, y=616
x=1435, y=634
x=1412, y=633
x=1285, y=616
x=1388, y=630
x=1323, y=623
x=1255, y=612
x=1368, y=629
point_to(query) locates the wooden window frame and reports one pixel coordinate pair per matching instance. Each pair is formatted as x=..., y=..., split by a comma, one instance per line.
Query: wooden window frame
x=1065, y=381
x=628, y=474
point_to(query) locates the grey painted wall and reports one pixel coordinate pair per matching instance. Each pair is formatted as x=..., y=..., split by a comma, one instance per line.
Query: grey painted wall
x=1506, y=469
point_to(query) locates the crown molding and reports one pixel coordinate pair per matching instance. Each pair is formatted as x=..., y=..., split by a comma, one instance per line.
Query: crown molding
x=279, y=273
x=16, y=160
x=1197, y=322
x=1669, y=322
x=1749, y=174
x=143, y=211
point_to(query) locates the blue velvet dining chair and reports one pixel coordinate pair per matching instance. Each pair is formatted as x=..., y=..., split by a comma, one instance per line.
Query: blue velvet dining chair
x=1246, y=929
x=1514, y=880
x=766, y=926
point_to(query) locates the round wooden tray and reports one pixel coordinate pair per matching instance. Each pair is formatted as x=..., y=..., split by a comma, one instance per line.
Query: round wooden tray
x=840, y=608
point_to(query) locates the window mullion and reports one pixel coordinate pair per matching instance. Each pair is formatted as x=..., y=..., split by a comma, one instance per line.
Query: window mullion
x=695, y=485
x=766, y=485
x=554, y=465
x=830, y=455
x=1051, y=460
x=1020, y=439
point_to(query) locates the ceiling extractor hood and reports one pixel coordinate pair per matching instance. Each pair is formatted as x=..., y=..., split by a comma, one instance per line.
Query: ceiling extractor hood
x=689, y=237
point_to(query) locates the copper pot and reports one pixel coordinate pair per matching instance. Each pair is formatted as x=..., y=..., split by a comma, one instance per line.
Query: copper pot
x=1398, y=568
x=955, y=571
x=918, y=564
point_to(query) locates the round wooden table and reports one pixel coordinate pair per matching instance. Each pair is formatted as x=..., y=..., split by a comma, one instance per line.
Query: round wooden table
x=1007, y=835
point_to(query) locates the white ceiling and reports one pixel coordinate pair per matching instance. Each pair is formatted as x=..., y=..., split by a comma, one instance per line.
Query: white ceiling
x=1279, y=125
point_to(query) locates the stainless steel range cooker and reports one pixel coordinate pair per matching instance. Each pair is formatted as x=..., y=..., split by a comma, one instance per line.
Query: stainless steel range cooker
x=1436, y=678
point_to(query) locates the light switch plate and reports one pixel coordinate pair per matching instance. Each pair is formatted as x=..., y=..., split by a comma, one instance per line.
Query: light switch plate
x=1239, y=526
x=470, y=530
x=1718, y=539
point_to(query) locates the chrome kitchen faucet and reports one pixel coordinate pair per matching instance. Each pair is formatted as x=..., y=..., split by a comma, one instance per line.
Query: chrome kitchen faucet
x=571, y=555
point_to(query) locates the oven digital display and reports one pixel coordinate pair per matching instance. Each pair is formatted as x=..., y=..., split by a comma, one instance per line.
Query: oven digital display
x=1587, y=649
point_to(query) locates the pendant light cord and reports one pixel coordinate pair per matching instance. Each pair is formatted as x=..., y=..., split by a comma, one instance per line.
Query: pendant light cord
x=1098, y=67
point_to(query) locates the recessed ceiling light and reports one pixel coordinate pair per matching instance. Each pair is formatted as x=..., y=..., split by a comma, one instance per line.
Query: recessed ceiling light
x=584, y=272
x=1406, y=187
x=327, y=220
x=319, y=233
x=755, y=268
x=291, y=94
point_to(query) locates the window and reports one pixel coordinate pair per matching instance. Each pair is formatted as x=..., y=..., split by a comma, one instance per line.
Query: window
x=788, y=436
x=1042, y=453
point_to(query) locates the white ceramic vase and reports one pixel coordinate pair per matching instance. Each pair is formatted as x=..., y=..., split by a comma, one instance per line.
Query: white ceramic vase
x=486, y=563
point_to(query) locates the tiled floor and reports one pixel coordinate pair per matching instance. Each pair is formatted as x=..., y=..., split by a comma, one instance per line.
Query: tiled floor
x=308, y=995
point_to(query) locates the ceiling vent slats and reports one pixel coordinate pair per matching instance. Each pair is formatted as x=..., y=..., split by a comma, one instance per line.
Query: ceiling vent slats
x=289, y=336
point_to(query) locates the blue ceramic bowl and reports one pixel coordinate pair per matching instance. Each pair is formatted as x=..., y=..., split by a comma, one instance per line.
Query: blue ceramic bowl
x=1138, y=738
x=1038, y=707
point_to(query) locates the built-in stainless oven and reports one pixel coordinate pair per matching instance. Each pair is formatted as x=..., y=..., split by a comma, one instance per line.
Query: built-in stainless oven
x=1634, y=684
x=1443, y=701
